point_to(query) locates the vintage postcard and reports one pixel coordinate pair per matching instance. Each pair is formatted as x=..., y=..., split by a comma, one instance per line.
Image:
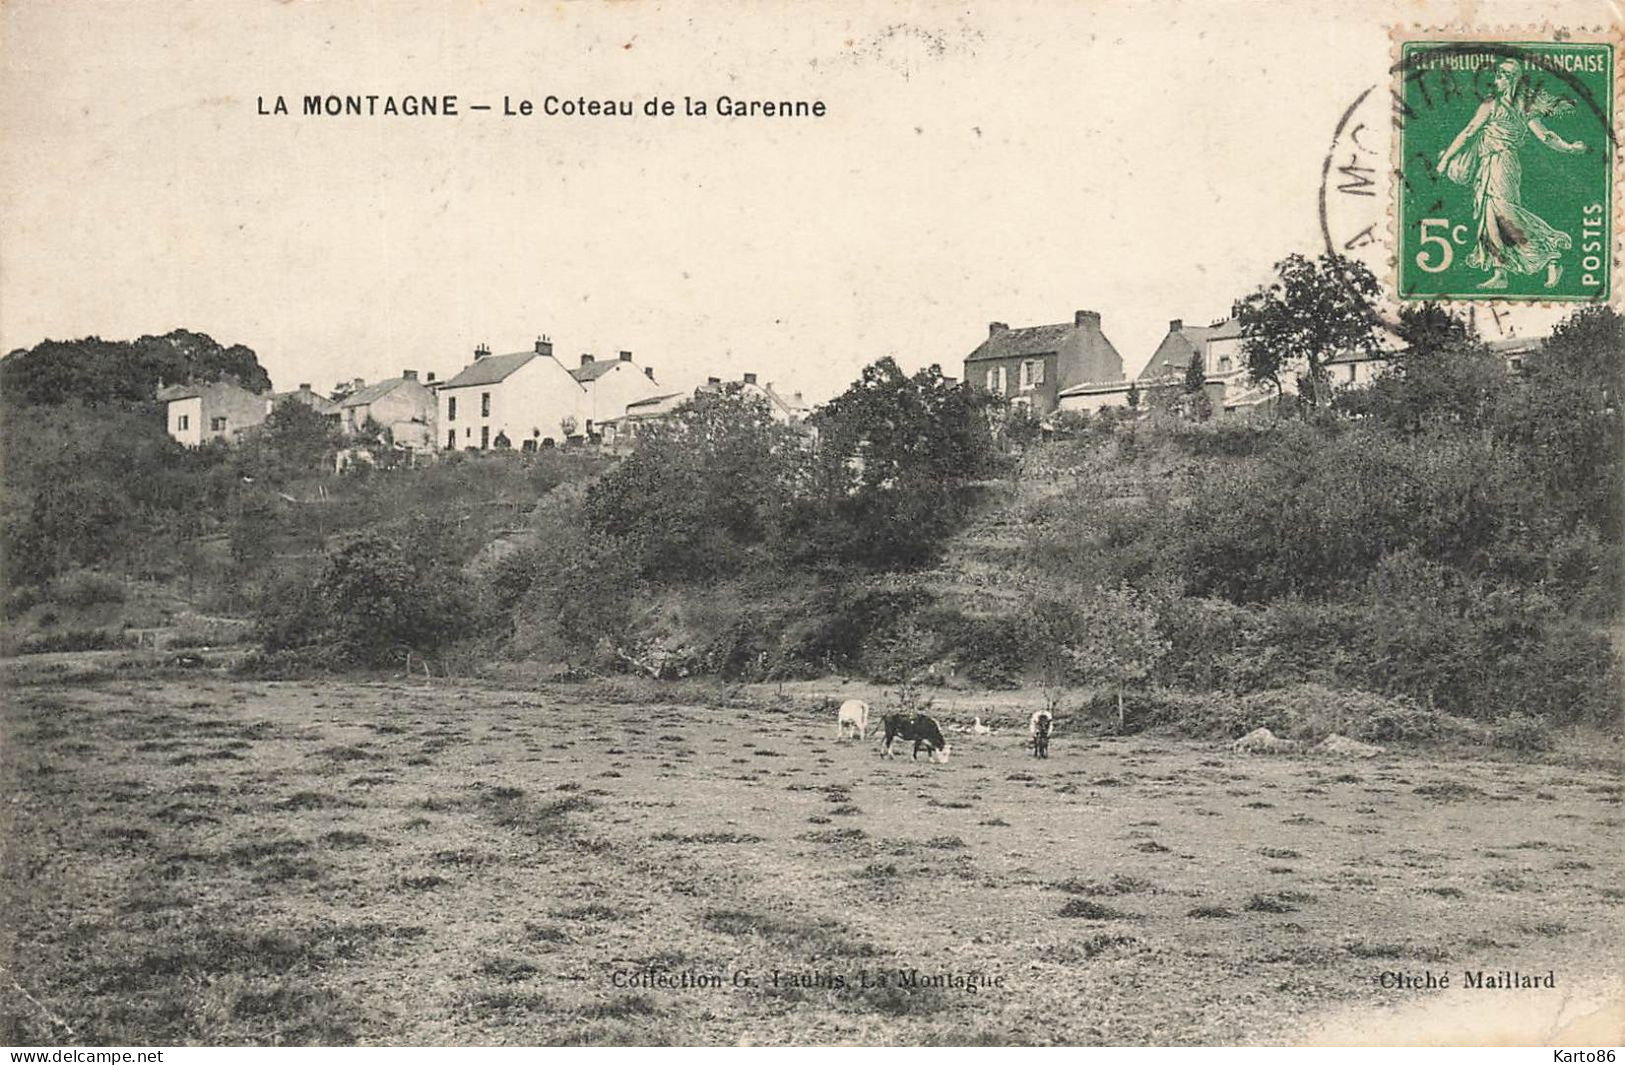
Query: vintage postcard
x=1056, y=522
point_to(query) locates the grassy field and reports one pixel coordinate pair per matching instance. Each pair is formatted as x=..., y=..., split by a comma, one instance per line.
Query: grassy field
x=211, y=860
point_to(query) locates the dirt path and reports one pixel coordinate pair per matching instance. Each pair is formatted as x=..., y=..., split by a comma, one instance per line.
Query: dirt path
x=294, y=862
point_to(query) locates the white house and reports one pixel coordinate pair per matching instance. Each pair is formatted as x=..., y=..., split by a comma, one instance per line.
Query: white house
x=785, y=409
x=527, y=399
x=609, y=387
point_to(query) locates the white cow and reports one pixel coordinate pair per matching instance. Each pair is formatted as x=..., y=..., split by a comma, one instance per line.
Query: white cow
x=854, y=715
x=1041, y=725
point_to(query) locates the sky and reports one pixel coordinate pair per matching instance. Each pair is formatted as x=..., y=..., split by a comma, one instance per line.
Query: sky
x=1014, y=162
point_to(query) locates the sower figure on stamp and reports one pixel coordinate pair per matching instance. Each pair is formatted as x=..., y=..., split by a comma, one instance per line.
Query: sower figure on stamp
x=1510, y=237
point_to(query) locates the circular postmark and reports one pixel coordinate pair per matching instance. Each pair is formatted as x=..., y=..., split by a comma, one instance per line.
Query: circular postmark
x=1480, y=174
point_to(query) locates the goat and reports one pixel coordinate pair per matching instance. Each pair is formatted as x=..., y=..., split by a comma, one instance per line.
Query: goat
x=1042, y=724
x=854, y=715
x=919, y=728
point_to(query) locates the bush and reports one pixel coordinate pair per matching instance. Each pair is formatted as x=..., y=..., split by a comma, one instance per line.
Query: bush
x=381, y=594
x=1521, y=732
x=73, y=640
x=82, y=588
x=991, y=652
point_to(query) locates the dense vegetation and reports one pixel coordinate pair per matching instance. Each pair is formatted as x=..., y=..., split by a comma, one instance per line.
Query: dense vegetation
x=1447, y=540
x=97, y=371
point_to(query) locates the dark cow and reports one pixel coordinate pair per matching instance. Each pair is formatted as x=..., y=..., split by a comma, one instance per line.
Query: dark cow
x=1042, y=724
x=919, y=728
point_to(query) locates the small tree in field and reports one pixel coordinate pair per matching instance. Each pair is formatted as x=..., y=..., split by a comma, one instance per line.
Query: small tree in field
x=1115, y=641
x=1314, y=311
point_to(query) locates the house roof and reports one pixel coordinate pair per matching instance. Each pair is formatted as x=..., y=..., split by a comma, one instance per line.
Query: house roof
x=592, y=371
x=653, y=401
x=1028, y=340
x=314, y=400
x=1187, y=341
x=194, y=389
x=490, y=370
x=372, y=393
x=1517, y=345
x=1097, y=388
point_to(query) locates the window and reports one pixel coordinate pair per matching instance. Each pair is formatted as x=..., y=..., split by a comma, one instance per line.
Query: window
x=217, y=425
x=1351, y=373
x=1038, y=371
x=1004, y=380
x=183, y=423
x=992, y=380
x=1224, y=364
x=451, y=439
x=1026, y=375
x=485, y=437
x=451, y=408
x=485, y=404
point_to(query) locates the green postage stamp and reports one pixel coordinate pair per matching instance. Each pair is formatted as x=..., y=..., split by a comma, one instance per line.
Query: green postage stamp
x=1506, y=158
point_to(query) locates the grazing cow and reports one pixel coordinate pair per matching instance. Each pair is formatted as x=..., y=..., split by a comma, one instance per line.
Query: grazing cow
x=919, y=728
x=854, y=715
x=1042, y=724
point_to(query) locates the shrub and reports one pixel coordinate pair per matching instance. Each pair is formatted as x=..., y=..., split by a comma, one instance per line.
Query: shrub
x=1521, y=732
x=82, y=588
x=990, y=651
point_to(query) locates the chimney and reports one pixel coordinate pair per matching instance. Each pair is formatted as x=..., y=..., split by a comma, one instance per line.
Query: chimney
x=750, y=379
x=304, y=387
x=713, y=381
x=481, y=351
x=409, y=375
x=995, y=328
x=429, y=379
x=544, y=346
x=1087, y=318
x=358, y=384
x=586, y=360
x=1175, y=324
x=626, y=356
x=649, y=372
x=798, y=399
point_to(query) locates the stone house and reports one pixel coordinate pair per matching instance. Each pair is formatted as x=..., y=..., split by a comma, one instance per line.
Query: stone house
x=401, y=405
x=215, y=410
x=1033, y=365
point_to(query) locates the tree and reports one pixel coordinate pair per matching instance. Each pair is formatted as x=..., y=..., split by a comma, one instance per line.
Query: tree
x=1444, y=383
x=1115, y=640
x=93, y=370
x=380, y=592
x=1132, y=397
x=300, y=435
x=1569, y=421
x=696, y=493
x=893, y=473
x=1313, y=311
x=1427, y=327
x=1195, y=373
